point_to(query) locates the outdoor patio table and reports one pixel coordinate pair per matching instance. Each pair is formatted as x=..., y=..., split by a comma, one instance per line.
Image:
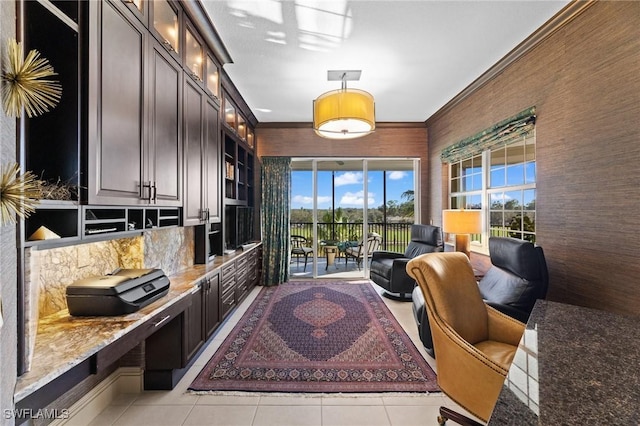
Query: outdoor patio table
x=330, y=253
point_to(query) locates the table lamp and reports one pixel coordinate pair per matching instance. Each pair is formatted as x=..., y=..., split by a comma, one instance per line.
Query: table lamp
x=462, y=223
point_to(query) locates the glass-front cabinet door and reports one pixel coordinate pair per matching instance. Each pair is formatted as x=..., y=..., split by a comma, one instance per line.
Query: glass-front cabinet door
x=250, y=138
x=193, y=54
x=230, y=113
x=166, y=22
x=213, y=77
x=242, y=127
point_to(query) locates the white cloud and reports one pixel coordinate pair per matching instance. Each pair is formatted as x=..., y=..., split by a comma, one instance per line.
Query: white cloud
x=348, y=178
x=396, y=175
x=324, y=201
x=356, y=199
x=303, y=199
x=500, y=197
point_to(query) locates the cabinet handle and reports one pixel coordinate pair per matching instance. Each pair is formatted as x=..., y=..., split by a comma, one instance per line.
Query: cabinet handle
x=147, y=186
x=163, y=320
x=168, y=45
x=208, y=216
x=154, y=197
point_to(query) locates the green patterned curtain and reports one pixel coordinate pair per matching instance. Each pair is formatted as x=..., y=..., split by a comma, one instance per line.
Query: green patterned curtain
x=276, y=188
x=507, y=131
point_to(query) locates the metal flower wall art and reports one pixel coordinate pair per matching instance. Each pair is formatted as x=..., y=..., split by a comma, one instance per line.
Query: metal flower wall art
x=25, y=84
x=18, y=194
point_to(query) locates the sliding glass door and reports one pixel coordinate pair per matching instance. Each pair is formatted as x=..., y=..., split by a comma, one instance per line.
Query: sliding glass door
x=345, y=208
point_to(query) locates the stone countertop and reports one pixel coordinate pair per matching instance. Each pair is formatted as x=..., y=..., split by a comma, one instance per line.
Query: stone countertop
x=64, y=341
x=574, y=366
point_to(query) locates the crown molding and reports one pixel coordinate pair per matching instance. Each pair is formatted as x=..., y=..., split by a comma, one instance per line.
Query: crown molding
x=198, y=15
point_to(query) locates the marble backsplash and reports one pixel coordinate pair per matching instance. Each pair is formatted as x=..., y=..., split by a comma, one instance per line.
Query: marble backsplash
x=51, y=271
x=48, y=272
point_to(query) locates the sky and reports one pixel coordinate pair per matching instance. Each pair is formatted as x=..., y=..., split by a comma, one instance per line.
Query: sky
x=349, y=188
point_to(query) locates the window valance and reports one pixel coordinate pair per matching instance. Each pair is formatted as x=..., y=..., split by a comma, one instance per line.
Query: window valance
x=505, y=132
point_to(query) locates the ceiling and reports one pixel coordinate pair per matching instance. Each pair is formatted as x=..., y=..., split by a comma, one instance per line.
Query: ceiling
x=415, y=56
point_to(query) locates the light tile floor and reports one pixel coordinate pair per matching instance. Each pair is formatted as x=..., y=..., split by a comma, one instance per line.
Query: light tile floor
x=178, y=407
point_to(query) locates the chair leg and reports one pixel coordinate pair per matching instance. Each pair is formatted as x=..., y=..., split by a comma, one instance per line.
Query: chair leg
x=306, y=257
x=449, y=414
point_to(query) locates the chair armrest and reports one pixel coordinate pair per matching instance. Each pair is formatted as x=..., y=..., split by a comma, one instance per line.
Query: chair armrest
x=503, y=328
x=383, y=254
x=401, y=263
x=400, y=277
x=518, y=314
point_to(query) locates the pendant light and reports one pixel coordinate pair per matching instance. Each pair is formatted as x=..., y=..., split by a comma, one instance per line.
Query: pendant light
x=344, y=113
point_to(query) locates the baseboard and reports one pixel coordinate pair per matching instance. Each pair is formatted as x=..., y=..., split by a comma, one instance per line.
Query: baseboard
x=124, y=380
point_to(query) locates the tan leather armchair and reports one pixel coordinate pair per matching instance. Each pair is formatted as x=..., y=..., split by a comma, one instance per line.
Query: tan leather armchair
x=474, y=343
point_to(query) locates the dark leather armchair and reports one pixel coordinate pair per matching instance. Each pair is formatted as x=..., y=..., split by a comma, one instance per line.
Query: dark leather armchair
x=517, y=278
x=389, y=269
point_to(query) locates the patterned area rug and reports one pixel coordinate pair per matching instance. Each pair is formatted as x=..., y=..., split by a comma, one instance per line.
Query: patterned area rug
x=317, y=337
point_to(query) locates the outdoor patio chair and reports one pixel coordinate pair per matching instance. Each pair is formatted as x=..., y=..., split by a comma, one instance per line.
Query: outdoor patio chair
x=358, y=253
x=299, y=248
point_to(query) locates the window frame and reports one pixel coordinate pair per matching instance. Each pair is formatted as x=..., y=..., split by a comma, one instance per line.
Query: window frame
x=479, y=242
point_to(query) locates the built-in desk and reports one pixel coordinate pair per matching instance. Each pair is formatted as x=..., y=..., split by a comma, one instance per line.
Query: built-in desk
x=68, y=349
x=574, y=366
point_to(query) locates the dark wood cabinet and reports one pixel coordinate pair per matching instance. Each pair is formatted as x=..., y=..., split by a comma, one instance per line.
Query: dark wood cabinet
x=227, y=289
x=211, y=305
x=202, y=157
x=194, y=333
x=202, y=317
x=242, y=284
x=164, y=154
x=134, y=101
x=116, y=105
x=193, y=212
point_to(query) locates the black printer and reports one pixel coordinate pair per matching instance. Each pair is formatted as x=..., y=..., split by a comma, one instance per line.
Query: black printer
x=122, y=292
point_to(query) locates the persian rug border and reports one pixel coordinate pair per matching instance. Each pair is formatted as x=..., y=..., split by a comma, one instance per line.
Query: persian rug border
x=238, y=366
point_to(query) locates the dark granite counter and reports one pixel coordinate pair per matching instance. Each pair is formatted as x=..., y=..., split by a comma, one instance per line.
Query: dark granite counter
x=574, y=366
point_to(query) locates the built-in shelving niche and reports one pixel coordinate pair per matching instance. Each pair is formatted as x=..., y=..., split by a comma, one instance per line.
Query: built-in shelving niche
x=74, y=224
x=208, y=242
x=102, y=220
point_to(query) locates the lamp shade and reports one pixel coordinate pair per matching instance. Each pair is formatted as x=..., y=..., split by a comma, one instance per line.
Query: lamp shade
x=344, y=114
x=462, y=221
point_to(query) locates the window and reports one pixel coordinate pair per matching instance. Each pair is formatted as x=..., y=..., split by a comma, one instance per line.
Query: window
x=500, y=181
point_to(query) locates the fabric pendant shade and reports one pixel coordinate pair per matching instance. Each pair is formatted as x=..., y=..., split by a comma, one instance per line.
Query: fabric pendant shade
x=344, y=113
